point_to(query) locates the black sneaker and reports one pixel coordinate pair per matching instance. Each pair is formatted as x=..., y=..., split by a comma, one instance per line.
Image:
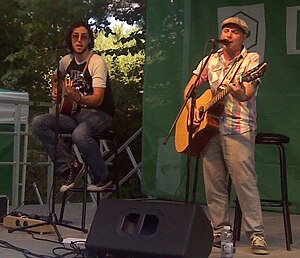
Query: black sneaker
x=76, y=172
x=100, y=186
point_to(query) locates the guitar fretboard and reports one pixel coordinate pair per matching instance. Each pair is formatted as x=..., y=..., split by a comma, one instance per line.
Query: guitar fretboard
x=251, y=75
x=221, y=94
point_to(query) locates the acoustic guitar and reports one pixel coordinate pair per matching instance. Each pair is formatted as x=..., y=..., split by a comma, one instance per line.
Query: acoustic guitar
x=209, y=125
x=67, y=105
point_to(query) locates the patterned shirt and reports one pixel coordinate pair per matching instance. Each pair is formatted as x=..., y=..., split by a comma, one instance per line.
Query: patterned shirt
x=237, y=117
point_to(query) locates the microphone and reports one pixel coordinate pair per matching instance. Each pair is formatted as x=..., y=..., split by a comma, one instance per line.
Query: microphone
x=45, y=49
x=220, y=41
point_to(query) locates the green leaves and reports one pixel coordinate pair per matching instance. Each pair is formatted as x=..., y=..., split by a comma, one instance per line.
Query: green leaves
x=28, y=27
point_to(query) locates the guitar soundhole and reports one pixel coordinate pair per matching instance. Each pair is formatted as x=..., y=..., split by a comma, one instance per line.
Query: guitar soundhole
x=201, y=113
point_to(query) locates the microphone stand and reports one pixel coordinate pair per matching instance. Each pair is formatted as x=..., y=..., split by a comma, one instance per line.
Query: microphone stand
x=190, y=95
x=52, y=217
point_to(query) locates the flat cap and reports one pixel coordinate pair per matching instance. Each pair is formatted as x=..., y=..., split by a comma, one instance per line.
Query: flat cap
x=237, y=21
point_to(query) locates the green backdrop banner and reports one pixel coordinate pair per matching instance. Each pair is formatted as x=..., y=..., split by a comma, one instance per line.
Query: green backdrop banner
x=177, y=32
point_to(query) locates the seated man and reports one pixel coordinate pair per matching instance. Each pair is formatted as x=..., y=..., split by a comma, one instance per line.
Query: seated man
x=89, y=93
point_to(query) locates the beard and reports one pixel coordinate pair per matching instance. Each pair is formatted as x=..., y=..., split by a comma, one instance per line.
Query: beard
x=80, y=50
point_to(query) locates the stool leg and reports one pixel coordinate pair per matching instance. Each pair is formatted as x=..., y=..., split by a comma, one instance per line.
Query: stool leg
x=98, y=198
x=229, y=188
x=62, y=208
x=115, y=175
x=84, y=198
x=284, y=197
x=237, y=224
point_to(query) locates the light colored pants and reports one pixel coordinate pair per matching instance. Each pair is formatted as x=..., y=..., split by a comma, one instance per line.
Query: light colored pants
x=233, y=154
x=83, y=126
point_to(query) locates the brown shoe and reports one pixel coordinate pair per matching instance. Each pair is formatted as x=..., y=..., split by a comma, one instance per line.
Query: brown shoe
x=259, y=245
x=100, y=186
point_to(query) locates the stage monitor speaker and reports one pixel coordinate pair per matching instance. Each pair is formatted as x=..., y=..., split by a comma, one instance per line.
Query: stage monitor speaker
x=156, y=229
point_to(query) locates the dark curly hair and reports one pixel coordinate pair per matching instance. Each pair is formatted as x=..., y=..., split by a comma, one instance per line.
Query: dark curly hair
x=70, y=31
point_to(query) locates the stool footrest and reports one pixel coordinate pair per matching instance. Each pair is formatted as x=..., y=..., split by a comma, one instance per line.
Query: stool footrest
x=79, y=189
x=272, y=203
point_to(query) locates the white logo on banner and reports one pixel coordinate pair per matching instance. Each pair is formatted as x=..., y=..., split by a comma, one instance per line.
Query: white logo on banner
x=254, y=16
x=291, y=30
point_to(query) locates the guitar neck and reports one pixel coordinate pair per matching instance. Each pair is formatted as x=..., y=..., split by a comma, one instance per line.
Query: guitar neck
x=251, y=75
x=221, y=94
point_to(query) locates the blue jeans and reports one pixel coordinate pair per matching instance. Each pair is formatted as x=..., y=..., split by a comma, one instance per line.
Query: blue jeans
x=83, y=127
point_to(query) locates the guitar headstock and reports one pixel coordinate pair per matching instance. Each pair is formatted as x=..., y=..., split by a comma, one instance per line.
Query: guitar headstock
x=256, y=72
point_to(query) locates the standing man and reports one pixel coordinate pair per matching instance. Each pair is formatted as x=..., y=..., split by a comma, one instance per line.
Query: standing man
x=86, y=108
x=231, y=151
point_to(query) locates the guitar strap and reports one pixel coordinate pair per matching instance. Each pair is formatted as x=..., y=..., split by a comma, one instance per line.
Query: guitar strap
x=83, y=71
x=87, y=63
x=232, y=71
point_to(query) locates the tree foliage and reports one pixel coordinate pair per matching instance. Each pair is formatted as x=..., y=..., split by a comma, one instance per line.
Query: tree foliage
x=29, y=27
x=31, y=32
x=126, y=71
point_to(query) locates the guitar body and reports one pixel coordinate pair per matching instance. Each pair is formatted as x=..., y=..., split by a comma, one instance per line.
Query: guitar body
x=210, y=105
x=208, y=127
x=67, y=106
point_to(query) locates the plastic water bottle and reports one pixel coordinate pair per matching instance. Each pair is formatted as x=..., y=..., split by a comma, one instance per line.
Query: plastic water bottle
x=226, y=242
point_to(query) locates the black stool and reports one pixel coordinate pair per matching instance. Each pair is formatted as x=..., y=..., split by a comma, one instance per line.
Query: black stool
x=279, y=140
x=107, y=136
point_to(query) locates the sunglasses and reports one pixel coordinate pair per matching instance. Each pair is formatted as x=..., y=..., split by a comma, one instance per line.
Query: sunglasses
x=82, y=37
